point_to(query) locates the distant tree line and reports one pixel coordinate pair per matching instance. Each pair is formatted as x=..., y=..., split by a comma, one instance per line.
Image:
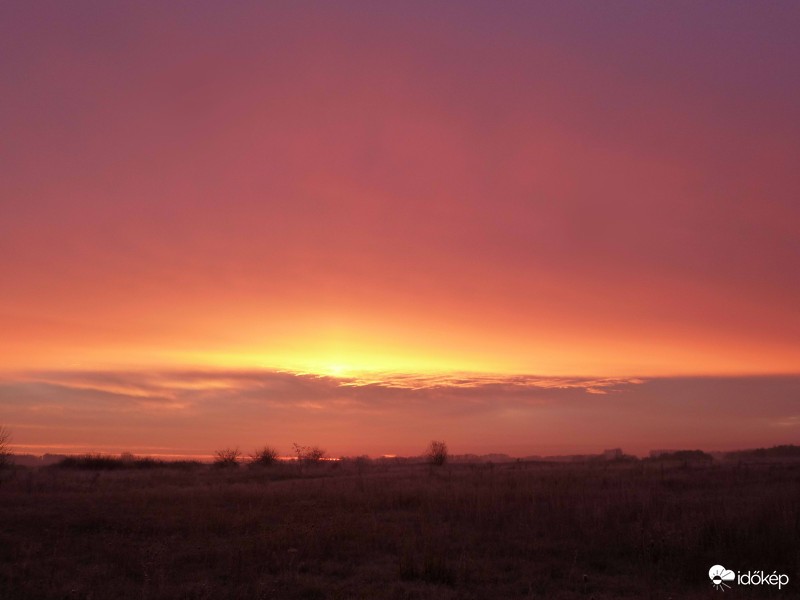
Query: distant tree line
x=784, y=451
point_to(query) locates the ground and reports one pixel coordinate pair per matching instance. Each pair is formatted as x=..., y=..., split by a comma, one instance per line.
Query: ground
x=398, y=531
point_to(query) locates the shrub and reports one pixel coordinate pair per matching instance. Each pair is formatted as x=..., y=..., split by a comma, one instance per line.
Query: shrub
x=309, y=454
x=436, y=453
x=5, y=448
x=227, y=457
x=264, y=456
x=106, y=462
x=362, y=461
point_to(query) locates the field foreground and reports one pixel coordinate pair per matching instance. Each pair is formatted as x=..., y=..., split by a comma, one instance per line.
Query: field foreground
x=351, y=530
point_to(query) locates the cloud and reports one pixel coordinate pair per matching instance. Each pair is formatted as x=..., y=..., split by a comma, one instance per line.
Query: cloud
x=379, y=413
x=278, y=388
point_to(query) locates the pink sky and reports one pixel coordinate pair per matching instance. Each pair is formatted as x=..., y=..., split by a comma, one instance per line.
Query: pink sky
x=537, y=190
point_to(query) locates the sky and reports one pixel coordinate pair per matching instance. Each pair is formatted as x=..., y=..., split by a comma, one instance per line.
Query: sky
x=544, y=227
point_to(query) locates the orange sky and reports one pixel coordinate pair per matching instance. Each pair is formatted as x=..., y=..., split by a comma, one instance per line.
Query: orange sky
x=552, y=189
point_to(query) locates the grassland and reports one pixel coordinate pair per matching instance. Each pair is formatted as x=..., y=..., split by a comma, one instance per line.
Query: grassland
x=354, y=530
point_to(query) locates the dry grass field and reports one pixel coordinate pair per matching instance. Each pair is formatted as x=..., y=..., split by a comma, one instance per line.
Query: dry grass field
x=398, y=531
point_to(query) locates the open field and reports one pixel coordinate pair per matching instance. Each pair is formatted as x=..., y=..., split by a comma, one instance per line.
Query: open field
x=351, y=530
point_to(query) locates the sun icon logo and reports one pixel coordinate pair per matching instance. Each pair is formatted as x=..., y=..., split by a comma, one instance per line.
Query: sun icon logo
x=719, y=575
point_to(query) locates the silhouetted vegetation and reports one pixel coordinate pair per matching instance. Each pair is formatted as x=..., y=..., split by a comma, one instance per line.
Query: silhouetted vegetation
x=785, y=451
x=685, y=456
x=264, y=456
x=106, y=462
x=309, y=454
x=227, y=457
x=436, y=454
x=92, y=462
x=5, y=448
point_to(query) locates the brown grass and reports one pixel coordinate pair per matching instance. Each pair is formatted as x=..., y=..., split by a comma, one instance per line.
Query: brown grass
x=356, y=530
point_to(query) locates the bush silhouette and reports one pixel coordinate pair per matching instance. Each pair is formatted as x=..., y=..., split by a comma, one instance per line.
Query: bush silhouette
x=436, y=453
x=92, y=462
x=309, y=454
x=227, y=457
x=264, y=456
x=5, y=448
x=107, y=462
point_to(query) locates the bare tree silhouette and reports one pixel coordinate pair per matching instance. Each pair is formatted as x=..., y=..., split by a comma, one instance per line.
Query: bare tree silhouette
x=5, y=447
x=309, y=454
x=436, y=454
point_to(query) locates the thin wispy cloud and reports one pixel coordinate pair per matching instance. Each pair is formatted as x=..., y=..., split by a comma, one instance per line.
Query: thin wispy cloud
x=382, y=413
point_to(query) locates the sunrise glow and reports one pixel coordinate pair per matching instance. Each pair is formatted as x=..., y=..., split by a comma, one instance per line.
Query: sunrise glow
x=227, y=223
